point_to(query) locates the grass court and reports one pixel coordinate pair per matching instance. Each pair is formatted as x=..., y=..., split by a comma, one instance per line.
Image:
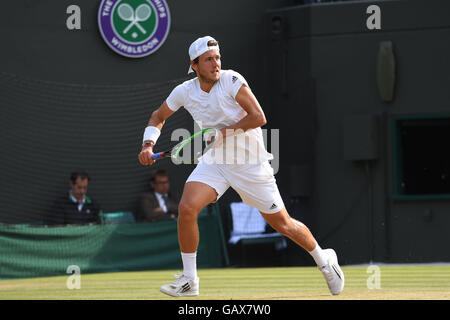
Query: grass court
x=396, y=282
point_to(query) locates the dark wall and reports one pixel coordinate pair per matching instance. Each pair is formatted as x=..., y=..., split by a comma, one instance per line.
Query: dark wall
x=67, y=101
x=329, y=89
x=42, y=47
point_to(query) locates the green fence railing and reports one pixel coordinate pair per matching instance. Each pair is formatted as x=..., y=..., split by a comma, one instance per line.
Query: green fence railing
x=27, y=251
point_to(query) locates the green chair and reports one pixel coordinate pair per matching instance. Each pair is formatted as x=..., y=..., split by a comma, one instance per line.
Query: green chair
x=117, y=217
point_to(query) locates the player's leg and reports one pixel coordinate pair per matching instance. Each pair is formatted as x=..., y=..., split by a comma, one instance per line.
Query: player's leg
x=204, y=186
x=257, y=187
x=326, y=259
x=196, y=196
x=291, y=228
x=297, y=232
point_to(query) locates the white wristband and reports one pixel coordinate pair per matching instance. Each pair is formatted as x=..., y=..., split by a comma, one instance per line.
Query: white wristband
x=151, y=133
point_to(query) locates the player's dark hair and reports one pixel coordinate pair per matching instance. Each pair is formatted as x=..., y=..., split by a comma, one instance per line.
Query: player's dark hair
x=211, y=43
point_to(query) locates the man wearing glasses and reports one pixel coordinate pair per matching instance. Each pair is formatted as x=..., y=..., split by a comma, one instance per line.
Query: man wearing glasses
x=159, y=203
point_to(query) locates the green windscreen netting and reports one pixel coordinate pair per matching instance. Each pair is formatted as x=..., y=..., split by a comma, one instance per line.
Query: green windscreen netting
x=49, y=129
x=27, y=251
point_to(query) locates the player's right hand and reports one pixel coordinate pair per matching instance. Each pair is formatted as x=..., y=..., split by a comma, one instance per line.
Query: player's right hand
x=145, y=157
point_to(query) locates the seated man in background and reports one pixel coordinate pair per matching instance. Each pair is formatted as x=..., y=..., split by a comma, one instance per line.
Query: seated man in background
x=75, y=207
x=158, y=204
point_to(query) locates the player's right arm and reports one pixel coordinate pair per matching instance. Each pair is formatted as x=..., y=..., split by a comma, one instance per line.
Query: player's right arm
x=157, y=119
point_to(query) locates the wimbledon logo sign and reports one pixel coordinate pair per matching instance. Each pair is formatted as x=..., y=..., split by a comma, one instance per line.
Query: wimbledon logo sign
x=134, y=28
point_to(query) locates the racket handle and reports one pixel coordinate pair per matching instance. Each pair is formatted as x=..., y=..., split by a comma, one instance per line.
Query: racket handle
x=158, y=155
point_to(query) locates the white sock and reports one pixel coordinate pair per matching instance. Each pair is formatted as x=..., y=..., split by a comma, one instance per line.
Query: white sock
x=189, y=264
x=319, y=257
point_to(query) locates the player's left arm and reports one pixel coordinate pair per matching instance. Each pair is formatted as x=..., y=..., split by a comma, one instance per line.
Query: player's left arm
x=255, y=115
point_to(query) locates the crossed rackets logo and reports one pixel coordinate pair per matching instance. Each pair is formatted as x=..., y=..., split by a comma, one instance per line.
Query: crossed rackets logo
x=134, y=20
x=142, y=13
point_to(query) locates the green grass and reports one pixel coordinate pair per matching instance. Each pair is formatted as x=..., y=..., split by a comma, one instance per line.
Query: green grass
x=397, y=282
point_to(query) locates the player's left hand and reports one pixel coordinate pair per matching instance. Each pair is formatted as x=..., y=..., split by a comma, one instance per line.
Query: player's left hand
x=215, y=137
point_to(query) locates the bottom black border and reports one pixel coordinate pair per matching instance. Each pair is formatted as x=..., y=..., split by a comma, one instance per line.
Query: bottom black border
x=221, y=309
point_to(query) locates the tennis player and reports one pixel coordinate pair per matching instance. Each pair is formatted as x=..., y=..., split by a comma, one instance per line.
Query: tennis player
x=222, y=99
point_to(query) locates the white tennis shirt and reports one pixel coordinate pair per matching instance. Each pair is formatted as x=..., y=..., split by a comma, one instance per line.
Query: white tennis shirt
x=219, y=109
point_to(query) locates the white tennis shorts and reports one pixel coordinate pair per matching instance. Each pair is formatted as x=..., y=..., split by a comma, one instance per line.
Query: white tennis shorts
x=255, y=183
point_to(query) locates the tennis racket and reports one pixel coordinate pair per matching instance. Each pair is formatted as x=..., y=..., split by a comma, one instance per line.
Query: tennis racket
x=186, y=152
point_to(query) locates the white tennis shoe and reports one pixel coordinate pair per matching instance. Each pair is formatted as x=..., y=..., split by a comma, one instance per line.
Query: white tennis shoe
x=182, y=287
x=333, y=273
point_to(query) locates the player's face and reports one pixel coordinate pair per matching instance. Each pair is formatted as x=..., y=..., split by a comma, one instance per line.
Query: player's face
x=208, y=66
x=79, y=188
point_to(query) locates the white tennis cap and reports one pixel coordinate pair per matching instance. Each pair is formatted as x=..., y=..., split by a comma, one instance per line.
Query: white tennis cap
x=199, y=47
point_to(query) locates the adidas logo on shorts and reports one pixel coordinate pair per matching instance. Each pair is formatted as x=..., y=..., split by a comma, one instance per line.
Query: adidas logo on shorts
x=273, y=206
